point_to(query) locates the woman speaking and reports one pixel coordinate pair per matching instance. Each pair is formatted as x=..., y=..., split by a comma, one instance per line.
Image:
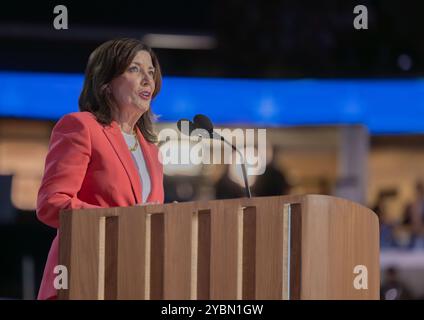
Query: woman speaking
x=105, y=155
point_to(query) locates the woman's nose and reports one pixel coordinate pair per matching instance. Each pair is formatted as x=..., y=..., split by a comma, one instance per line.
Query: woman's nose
x=144, y=79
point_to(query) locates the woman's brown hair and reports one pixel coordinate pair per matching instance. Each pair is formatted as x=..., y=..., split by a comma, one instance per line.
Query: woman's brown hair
x=105, y=63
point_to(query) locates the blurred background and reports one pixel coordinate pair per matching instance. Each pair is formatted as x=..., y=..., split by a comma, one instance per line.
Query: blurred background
x=343, y=108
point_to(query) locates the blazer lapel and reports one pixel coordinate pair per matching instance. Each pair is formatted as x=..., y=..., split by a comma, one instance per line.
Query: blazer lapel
x=150, y=164
x=116, y=139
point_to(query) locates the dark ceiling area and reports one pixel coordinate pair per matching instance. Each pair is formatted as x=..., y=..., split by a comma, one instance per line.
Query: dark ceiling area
x=251, y=38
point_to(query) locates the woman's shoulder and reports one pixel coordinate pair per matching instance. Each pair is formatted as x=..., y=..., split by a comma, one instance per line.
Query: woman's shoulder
x=76, y=122
x=81, y=116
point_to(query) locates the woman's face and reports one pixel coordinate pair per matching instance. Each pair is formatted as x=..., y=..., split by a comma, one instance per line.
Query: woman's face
x=132, y=90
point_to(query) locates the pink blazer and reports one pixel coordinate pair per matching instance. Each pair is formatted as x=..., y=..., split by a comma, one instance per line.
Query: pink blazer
x=89, y=166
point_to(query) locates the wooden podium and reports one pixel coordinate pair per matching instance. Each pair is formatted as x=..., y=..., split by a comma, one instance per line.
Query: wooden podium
x=285, y=247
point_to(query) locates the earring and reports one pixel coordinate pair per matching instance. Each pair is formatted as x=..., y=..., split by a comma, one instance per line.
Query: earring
x=107, y=89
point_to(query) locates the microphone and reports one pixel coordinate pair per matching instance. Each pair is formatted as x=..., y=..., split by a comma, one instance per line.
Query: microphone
x=201, y=121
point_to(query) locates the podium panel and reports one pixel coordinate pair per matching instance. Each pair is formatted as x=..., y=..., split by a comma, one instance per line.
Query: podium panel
x=284, y=247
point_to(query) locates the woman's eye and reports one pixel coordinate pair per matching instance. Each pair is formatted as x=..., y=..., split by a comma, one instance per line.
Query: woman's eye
x=151, y=73
x=133, y=69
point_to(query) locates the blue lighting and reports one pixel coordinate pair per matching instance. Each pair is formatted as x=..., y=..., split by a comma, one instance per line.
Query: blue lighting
x=384, y=106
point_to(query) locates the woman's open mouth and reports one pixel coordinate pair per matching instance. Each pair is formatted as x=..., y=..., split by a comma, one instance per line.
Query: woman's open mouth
x=145, y=95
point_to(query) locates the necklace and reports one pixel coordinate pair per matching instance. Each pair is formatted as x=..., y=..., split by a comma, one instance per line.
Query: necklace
x=135, y=146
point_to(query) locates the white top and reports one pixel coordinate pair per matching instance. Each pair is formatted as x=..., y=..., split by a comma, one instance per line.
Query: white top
x=138, y=158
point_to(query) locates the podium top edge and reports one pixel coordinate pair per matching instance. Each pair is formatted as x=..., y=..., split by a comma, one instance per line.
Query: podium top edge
x=242, y=202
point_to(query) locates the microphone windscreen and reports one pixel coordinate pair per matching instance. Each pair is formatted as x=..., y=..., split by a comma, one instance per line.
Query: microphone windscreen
x=203, y=122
